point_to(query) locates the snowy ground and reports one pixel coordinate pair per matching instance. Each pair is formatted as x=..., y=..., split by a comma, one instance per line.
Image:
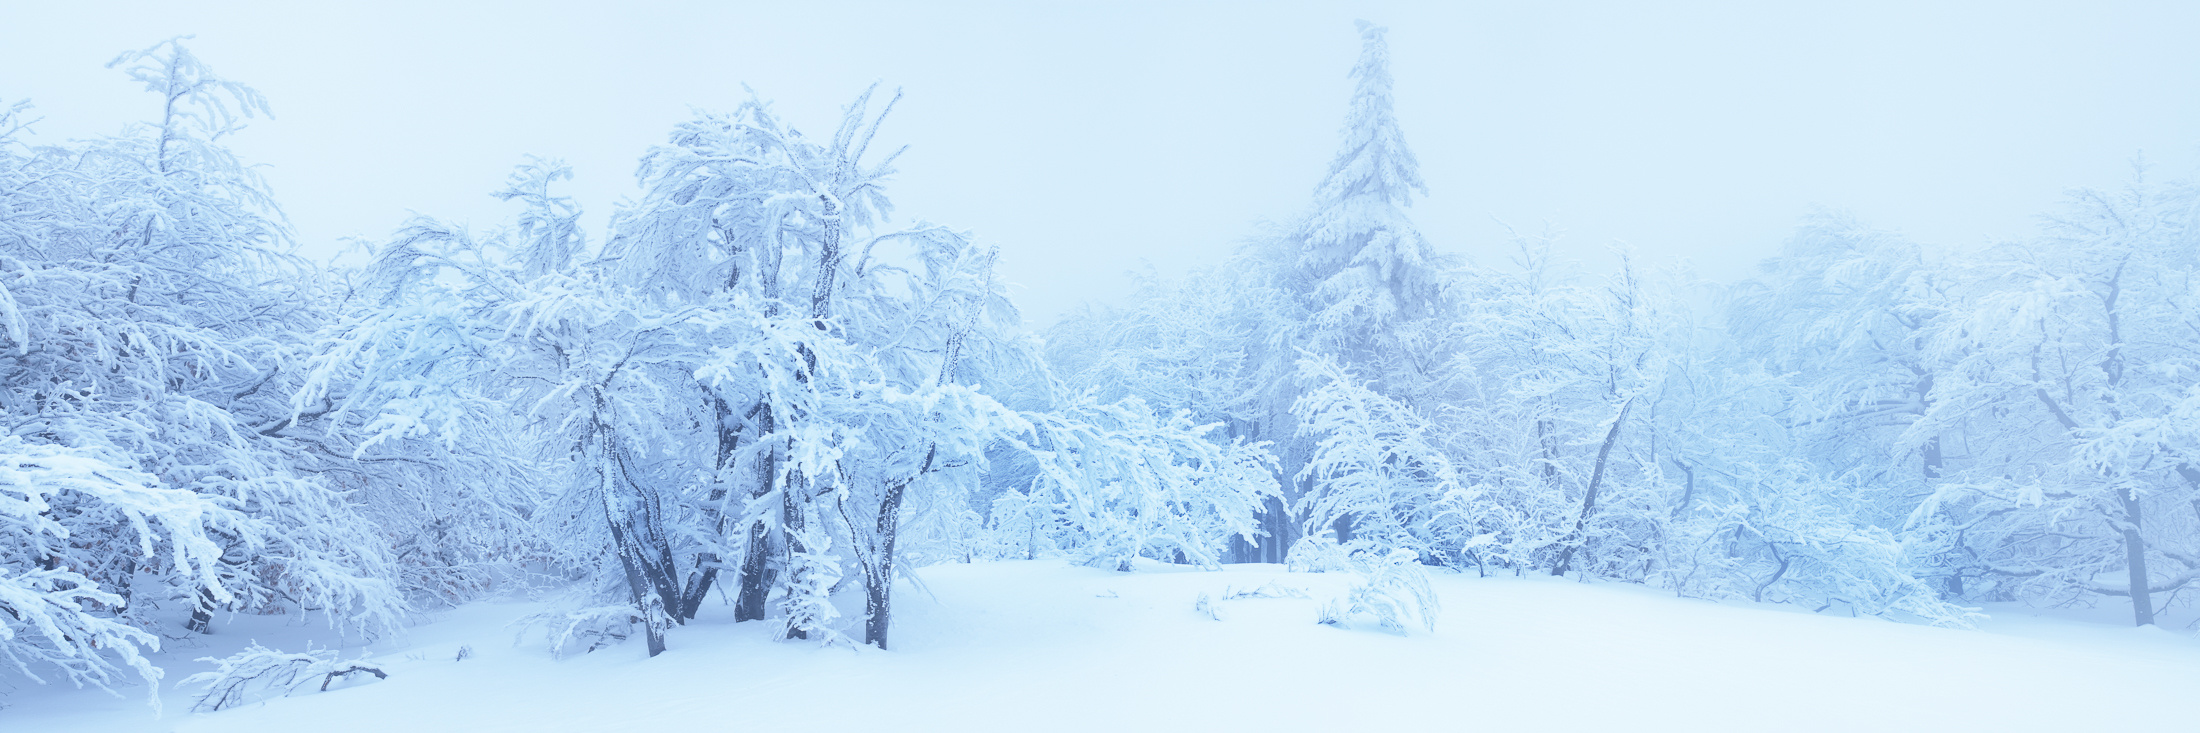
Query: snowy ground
x=1041, y=646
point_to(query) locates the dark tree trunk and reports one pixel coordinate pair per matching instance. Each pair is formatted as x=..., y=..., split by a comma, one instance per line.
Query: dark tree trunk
x=1933, y=460
x=1758, y=595
x=637, y=587
x=202, y=613
x=641, y=604
x=729, y=441
x=878, y=589
x=644, y=554
x=755, y=562
x=755, y=575
x=1277, y=519
x=638, y=584
x=879, y=614
x=2135, y=559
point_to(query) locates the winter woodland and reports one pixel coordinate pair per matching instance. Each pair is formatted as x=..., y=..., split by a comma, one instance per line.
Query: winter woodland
x=758, y=387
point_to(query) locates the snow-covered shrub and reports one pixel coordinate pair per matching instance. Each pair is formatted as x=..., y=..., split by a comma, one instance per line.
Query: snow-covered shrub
x=258, y=673
x=1204, y=605
x=1322, y=553
x=1330, y=612
x=587, y=629
x=63, y=587
x=1020, y=527
x=1392, y=585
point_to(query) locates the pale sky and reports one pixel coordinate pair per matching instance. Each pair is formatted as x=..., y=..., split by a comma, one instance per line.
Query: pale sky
x=1086, y=139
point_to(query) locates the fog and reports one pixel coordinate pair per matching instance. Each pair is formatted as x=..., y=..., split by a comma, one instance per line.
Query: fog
x=1088, y=141
x=548, y=421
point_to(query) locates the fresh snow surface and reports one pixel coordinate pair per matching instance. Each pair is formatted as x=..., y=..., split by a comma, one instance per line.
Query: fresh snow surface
x=1023, y=646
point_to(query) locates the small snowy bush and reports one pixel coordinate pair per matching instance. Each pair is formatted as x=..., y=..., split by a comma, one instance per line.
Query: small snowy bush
x=1393, y=587
x=1205, y=606
x=1322, y=554
x=594, y=627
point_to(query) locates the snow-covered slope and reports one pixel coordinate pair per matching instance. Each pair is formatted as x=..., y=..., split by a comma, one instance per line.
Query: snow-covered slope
x=1023, y=646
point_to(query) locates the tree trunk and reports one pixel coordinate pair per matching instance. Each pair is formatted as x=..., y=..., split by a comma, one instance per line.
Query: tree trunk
x=755, y=562
x=2135, y=558
x=1589, y=498
x=790, y=529
x=646, y=559
x=1546, y=436
x=1758, y=595
x=202, y=613
x=748, y=605
x=1688, y=491
x=1933, y=461
x=1343, y=527
x=1278, y=519
x=636, y=586
x=879, y=583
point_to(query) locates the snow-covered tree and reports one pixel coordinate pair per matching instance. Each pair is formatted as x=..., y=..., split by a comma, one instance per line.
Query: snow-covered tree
x=1844, y=312
x=153, y=330
x=1364, y=260
x=2071, y=372
x=1124, y=482
x=1375, y=462
x=55, y=505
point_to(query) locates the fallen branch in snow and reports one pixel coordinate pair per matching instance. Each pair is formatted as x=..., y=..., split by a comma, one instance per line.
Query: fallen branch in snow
x=334, y=675
x=1271, y=589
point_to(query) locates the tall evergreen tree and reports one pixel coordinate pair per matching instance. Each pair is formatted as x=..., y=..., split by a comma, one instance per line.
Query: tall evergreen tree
x=1362, y=260
x=1357, y=269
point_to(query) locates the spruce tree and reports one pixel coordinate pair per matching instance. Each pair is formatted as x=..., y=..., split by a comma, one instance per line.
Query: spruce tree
x=1363, y=261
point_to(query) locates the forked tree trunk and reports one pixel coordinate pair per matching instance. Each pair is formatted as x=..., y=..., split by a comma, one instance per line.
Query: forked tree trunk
x=643, y=554
x=706, y=563
x=878, y=580
x=637, y=587
x=1688, y=490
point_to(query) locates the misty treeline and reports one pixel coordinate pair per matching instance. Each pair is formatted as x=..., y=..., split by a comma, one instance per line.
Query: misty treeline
x=752, y=386
x=1866, y=426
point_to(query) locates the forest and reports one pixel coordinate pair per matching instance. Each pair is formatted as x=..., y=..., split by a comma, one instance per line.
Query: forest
x=757, y=387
